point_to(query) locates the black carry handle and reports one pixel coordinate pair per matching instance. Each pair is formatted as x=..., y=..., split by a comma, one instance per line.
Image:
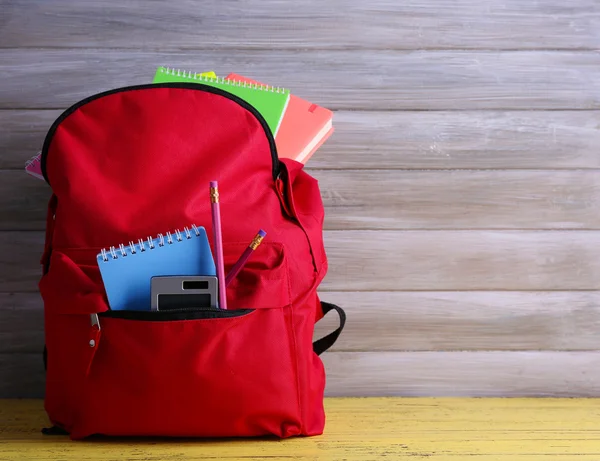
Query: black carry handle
x=321, y=345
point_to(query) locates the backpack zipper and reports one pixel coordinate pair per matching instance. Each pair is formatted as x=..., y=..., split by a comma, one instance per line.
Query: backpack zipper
x=182, y=313
x=188, y=86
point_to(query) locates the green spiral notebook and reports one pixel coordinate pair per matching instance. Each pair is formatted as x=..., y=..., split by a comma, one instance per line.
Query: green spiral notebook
x=270, y=101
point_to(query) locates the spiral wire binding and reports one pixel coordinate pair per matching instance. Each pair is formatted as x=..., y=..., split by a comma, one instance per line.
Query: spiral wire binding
x=113, y=251
x=35, y=159
x=201, y=78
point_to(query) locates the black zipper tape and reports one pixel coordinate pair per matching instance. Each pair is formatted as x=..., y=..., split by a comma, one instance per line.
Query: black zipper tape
x=188, y=86
x=188, y=313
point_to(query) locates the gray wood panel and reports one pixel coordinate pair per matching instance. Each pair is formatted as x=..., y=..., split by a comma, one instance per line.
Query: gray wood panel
x=23, y=375
x=480, y=374
x=402, y=139
x=382, y=199
x=20, y=253
x=22, y=135
x=462, y=139
x=405, y=260
x=23, y=201
x=471, y=321
x=476, y=374
x=402, y=321
x=461, y=184
x=21, y=322
x=386, y=24
x=462, y=260
x=374, y=80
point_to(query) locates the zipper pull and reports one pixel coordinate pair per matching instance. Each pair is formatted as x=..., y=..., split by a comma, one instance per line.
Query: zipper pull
x=95, y=329
x=94, y=340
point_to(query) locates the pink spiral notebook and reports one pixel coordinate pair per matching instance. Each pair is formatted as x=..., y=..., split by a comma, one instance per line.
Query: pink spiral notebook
x=304, y=128
x=34, y=166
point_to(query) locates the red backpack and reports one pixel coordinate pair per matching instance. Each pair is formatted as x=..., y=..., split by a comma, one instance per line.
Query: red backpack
x=136, y=162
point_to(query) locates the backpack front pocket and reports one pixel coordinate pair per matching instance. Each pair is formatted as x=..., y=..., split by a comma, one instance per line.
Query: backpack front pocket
x=187, y=372
x=217, y=373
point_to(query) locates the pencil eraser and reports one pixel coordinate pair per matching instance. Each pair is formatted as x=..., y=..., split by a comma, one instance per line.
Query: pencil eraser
x=214, y=184
x=262, y=233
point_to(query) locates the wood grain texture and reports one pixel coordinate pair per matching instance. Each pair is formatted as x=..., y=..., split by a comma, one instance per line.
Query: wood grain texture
x=475, y=374
x=21, y=322
x=423, y=80
x=337, y=24
x=418, y=321
x=470, y=321
x=383, y=199
x=449, y=227
x=23, y=375
x=365, y=429
x=405, y=260
x=461, y=260
x=402, y=140
x=20, y=253
x=386, y=199
x=22, y=135
x=23, y=201
x=461, y=139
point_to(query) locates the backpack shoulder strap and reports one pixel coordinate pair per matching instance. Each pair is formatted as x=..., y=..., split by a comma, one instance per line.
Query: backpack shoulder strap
x=321, y=345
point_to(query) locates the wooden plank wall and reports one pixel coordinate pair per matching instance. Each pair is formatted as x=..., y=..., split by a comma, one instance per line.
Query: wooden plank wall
x=462, y=184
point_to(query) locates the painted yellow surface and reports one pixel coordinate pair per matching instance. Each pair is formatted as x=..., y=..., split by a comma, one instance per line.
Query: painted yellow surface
x=432, y=429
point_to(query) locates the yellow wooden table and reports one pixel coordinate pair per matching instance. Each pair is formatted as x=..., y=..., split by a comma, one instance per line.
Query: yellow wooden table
x=358, y=429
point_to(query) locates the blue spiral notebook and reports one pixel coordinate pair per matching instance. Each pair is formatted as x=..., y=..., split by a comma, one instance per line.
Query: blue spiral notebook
x=128, y=268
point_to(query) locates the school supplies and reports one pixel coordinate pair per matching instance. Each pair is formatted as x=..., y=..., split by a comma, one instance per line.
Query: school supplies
x=237, y=267
x=218, y=238
x=270, y=101
x=34, y=166
x=304, y=128
x=127, y=269
x=176, y=292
